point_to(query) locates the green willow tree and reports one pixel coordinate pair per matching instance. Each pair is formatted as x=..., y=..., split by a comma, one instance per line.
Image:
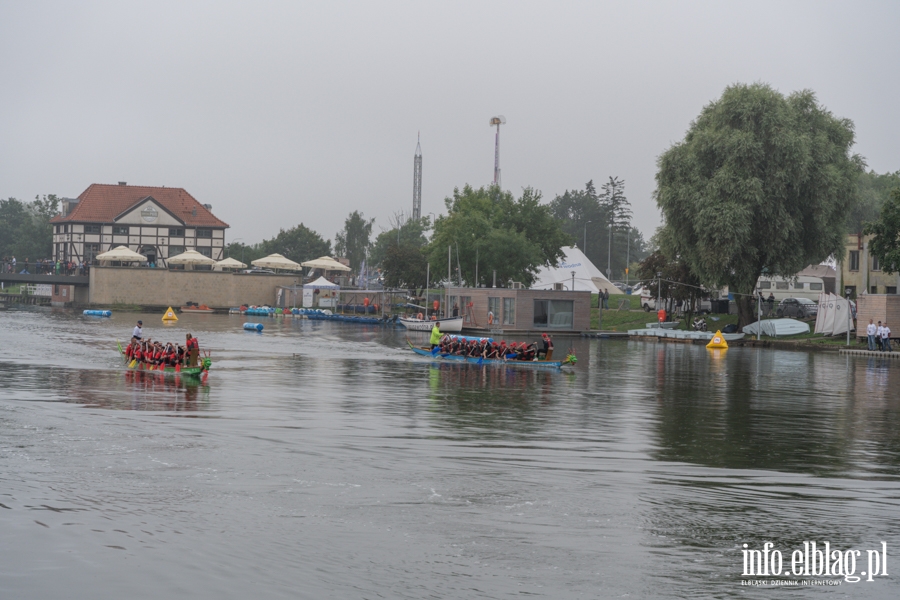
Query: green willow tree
x=886, y=229
x=760, y=181
x=487, y=230
x=354, y=240
x=25, y=229
x=298, y=243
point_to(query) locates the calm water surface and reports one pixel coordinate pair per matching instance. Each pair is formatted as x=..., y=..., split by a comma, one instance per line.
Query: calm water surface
x=324, y=460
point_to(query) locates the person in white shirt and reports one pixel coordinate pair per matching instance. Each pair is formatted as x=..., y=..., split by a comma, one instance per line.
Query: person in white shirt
x=138, y=331
x=885, y=338
x=870, y=332
x=878, y=335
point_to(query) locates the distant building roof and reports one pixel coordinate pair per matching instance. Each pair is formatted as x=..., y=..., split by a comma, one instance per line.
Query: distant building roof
x=102, y=203
x=823, y=271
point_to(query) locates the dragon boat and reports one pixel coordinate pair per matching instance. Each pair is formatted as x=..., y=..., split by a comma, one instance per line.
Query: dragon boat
x=200, y=366
x=525, y=364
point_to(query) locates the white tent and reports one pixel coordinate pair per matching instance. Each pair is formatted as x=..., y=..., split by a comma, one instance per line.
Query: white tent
x=326, y=263
x=326, y=299
x=190, y=257
x=276, y=261
x=230, y=263
x=588, y=278
x=122, y=254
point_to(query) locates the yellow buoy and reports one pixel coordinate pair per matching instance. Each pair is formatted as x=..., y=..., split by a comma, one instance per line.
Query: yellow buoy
x=170, y=315
x=717, y=341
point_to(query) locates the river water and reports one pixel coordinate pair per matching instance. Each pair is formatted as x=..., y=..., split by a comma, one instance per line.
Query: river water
x=325, y=460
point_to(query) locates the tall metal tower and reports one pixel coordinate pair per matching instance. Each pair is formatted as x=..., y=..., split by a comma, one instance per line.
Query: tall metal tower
x=417, y=181
x=498, y=121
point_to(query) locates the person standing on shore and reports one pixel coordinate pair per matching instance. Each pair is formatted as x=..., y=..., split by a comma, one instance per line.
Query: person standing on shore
x=870, y=333
x=878, y=336
x=885, y=338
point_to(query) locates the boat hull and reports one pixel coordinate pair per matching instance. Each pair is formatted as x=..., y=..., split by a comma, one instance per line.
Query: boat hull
x=197, y=371
x=524, y=364
x=449, y=325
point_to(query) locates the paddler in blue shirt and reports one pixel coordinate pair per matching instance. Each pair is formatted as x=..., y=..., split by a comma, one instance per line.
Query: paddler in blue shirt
x=435, y=336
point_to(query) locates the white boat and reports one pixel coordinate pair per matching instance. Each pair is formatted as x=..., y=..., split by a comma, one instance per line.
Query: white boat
x=450, y=324
x=665, y=325
x=777, y=327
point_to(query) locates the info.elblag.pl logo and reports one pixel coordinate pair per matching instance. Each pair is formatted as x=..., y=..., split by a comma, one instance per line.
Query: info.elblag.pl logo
x=816, y=560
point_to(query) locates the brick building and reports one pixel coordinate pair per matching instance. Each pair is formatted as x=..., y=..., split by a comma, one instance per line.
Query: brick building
x=157, y=222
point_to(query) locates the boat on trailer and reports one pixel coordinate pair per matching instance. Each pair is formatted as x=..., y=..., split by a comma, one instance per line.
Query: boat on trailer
x=472, y=360
x=202, y=366
x=448, y=324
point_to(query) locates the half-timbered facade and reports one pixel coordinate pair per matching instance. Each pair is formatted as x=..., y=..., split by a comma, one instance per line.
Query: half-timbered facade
x=157, y=222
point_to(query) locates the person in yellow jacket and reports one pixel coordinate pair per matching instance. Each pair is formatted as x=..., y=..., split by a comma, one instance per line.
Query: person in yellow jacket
x=435, y=336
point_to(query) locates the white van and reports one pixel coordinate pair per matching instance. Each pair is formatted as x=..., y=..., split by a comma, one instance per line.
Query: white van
x=791, y=287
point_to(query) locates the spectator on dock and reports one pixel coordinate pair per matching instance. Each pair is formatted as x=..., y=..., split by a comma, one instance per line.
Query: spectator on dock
x=870, y=334
x=885, y=338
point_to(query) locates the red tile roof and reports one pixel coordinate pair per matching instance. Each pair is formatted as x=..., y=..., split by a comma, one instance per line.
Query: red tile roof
x=102, y=203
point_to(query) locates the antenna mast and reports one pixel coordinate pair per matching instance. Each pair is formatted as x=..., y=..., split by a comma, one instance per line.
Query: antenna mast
x=417, y=181
x=498, y=121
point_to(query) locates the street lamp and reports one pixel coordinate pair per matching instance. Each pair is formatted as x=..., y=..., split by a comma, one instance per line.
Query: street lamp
x=584, y=245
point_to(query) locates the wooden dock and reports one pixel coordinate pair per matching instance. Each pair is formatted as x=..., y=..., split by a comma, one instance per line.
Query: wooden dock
x=870, y=353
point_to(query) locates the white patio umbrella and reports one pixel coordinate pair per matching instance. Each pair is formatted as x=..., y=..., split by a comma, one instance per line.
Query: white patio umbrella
x=230, y=263
x=327, y=263
x=276, y=261
x=121, y=254
x=190, y=257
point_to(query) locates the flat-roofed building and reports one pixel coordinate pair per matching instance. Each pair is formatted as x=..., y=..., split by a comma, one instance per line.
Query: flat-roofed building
x=157, y=222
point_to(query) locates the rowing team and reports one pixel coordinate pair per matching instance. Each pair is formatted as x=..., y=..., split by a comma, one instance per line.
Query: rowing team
x=157, y=354
x=485, y=348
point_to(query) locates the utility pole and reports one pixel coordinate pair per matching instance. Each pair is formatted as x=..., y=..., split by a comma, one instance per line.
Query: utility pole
x=609, y=252
x=627, y=256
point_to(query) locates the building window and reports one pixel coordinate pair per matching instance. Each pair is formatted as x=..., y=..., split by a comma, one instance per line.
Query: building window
x=509, y=311
x=175, y=250
x=494, y=309
x=815, y=287
x=873, y=289
x=781, y=285
x=798, y=285
x=854, y=260
x=205, y=251
x=120, y=230
x=765, y=285
x=891, y=289
x=173, y=232
x=90, y=252
x=92, y=229
x=554, y=314
x=876, y=264
x=204, y=233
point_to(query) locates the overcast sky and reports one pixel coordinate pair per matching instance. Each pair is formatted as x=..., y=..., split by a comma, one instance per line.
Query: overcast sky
x=278, y=113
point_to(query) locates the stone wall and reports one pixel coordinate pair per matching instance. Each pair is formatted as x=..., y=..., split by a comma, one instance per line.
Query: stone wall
x=161, y=287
